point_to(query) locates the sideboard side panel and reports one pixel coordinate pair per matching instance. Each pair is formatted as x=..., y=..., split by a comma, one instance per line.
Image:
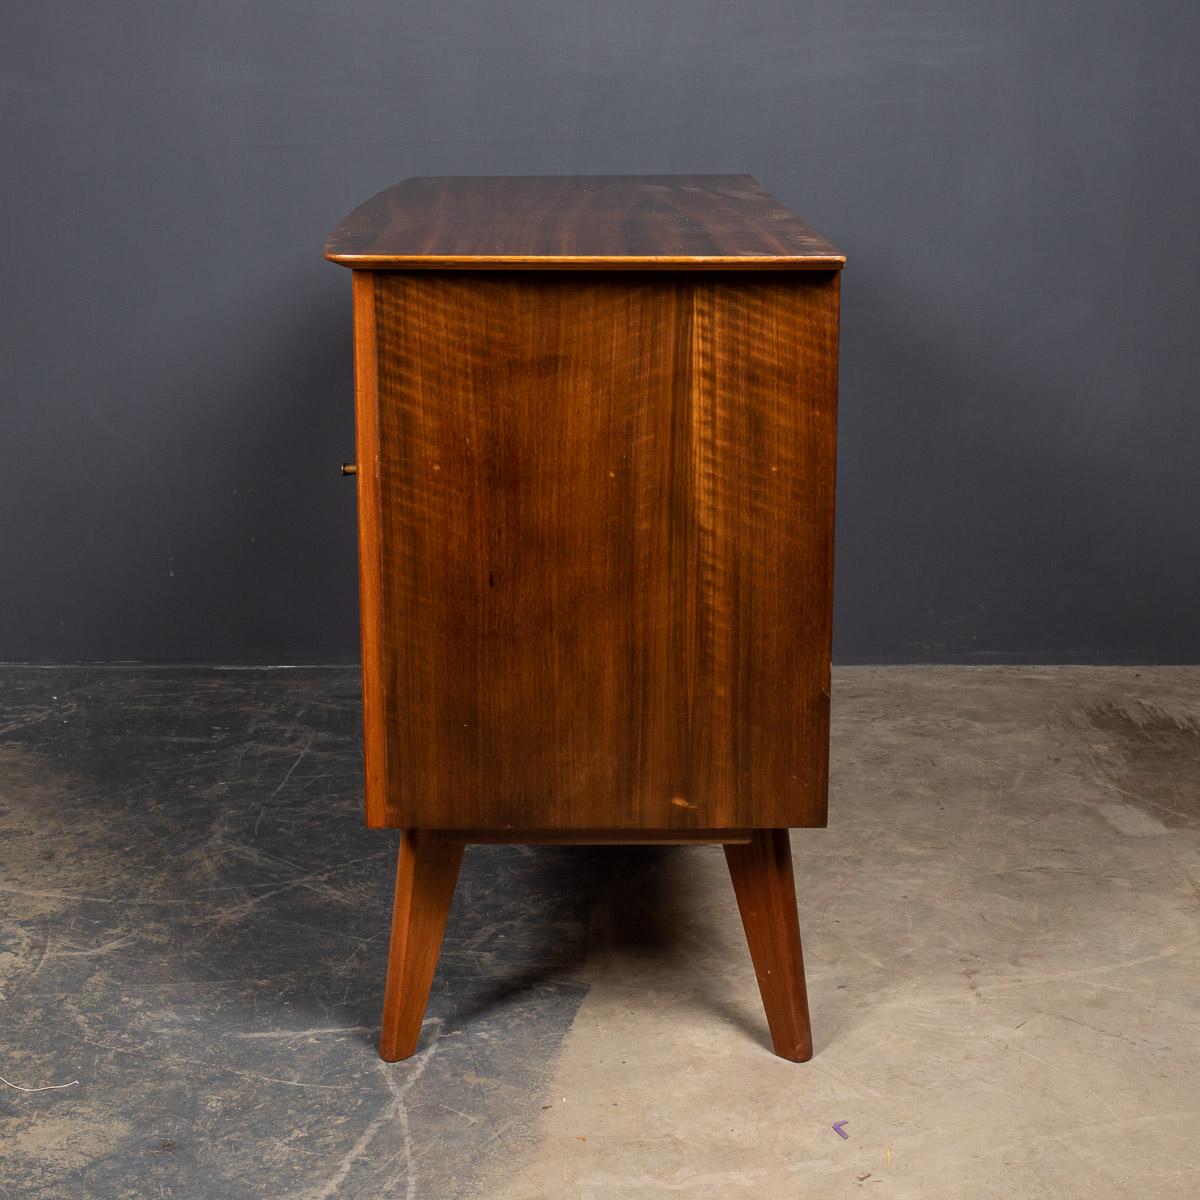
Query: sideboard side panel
x=598, y=587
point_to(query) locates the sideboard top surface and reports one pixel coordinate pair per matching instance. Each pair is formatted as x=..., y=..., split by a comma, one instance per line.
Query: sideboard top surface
x=578, y=221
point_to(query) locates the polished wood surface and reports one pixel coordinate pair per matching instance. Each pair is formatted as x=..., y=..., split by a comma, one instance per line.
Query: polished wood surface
x=766, y=894
x=426, y=873
x=604, y=508
x=588, y=221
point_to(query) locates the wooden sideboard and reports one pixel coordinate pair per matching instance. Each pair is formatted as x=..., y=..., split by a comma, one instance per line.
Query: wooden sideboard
x=595, y=465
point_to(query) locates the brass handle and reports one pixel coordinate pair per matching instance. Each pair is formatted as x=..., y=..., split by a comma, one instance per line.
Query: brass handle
x=349, y=468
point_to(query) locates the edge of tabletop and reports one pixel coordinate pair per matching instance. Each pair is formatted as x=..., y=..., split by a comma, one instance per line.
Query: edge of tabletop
x=631, y=262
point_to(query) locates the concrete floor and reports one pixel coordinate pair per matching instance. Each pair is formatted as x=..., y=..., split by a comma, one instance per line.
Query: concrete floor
x=1001, y=928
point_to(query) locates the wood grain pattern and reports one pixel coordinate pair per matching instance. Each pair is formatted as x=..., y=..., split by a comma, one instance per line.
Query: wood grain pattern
x=766, y=894
x=580, y=221
x=426, y=873
x=604, y=517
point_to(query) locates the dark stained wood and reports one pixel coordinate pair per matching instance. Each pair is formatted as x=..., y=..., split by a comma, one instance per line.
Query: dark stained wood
x=425, y=877
x=588, y=221
x=605, y=515
x=766, y=895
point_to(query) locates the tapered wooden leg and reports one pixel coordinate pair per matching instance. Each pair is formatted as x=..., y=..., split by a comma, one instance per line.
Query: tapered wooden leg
x=766, y=896
x=425, y=879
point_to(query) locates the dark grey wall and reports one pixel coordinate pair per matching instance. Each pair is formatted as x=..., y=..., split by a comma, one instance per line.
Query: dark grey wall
x=1015, y=185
